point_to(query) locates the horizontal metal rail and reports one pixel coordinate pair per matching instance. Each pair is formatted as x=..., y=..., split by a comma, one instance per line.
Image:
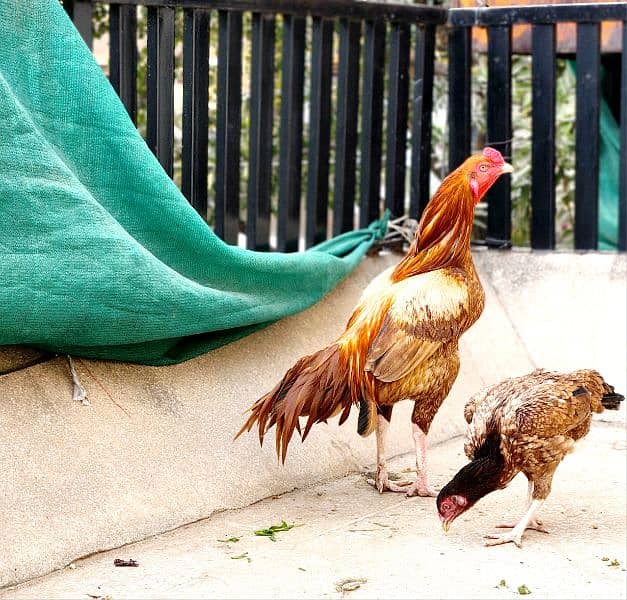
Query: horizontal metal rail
x=591, y=12
x=337, y=9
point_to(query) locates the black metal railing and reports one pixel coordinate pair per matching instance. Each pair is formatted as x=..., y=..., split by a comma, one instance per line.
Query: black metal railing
x=369, y=46
x=543, y=19
x=364, y=33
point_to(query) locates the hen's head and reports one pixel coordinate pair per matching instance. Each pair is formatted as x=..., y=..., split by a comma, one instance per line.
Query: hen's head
x=471, y=483
x=450, y=507
x=483, y=170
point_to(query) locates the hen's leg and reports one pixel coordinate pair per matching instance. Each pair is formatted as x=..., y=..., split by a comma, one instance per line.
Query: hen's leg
x=540, y=492
x=534, y=523
x=515, y=535
x=381, y=481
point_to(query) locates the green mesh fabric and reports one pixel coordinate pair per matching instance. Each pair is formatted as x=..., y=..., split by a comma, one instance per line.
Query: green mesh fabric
x=609, y=170
x=101, y=255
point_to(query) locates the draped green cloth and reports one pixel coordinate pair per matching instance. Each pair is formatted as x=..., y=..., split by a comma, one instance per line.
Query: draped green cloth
x=101, y=255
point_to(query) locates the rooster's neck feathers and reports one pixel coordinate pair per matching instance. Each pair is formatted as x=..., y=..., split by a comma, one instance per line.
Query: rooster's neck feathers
x=443, y=235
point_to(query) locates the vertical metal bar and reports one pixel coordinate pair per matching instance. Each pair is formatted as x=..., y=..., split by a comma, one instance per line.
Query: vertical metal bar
x=160, y=85
x=372, y=122
x=80, y=11
x=195, y=108
x=458, y=96
x=228, y=126
x=260, y=142
x=398, y=97
x=346, y=126
x=622, y=201
x=291, y=132
x=422, y=101
x=123, y=55
x=543, y=138
x=587, y=137
x=499, y=124
x=319, y=132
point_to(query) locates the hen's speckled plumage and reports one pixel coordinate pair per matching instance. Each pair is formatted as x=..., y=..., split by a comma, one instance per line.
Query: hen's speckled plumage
x=525, y=424
x=538, y=417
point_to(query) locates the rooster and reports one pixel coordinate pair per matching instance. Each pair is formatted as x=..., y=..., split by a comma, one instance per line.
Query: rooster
x=526, y=424
x=401, y=342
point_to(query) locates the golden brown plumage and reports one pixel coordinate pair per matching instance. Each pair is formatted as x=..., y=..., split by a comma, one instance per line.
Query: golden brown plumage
x=525, y=424
x=401, y=340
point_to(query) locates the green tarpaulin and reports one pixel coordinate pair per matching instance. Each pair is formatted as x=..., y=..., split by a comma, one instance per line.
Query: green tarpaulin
x=101, y=256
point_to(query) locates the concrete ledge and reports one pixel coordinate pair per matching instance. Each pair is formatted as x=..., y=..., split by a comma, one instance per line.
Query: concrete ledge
x=154, y=450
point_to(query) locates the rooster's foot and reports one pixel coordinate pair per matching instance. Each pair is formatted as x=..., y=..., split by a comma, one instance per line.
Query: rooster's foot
x=409, y=488
x=421, y=488
x=383, y=483
x=534, y=524
x=494, y=539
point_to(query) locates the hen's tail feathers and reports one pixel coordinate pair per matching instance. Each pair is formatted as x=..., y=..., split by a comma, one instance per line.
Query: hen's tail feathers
x=315, y=387
x=611, y=399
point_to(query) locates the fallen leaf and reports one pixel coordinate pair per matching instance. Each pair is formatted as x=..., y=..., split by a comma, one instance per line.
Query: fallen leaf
x=230, y=540
x=273, y=529
x=615, y=563
x=118, y=562
x=605, y=558
x=349, y=585
x=240, y=556
x=502, y=583
x=523, y=590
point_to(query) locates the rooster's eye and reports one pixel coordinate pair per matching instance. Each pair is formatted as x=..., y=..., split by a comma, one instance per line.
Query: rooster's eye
x=483, y=168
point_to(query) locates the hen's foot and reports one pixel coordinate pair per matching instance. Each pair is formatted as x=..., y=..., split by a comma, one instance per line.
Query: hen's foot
x=535, y=525
x=494, y=539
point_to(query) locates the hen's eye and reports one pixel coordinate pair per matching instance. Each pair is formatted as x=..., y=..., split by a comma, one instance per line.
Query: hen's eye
x=483, y=168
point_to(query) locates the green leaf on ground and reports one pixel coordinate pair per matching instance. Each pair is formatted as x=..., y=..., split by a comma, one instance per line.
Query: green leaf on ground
x=273, y=529
x=523, y=590
x=240, y=556
x=502, y=583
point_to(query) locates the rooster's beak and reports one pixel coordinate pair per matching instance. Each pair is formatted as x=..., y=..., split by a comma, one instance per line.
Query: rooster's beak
x=446, y=525
x=506, y=168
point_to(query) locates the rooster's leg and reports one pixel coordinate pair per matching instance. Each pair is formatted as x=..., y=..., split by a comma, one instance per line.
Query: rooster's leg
x=421, y=486
x=533, y=523
x=515, y=535
x=382, y=481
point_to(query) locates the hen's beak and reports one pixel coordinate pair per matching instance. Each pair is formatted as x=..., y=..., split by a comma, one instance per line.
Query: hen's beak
x=506, y=168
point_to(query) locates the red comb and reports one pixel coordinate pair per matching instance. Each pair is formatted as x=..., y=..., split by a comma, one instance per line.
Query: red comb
x=493, y=155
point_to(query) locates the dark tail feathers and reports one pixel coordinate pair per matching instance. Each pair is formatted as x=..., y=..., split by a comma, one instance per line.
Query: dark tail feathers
x=611, y=400
x=315, y=387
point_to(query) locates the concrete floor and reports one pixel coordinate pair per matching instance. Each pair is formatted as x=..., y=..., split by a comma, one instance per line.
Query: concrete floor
x=353, y=542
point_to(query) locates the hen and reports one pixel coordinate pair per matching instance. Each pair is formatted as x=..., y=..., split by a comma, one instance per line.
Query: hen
x=401, y=340
x=526, y=424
